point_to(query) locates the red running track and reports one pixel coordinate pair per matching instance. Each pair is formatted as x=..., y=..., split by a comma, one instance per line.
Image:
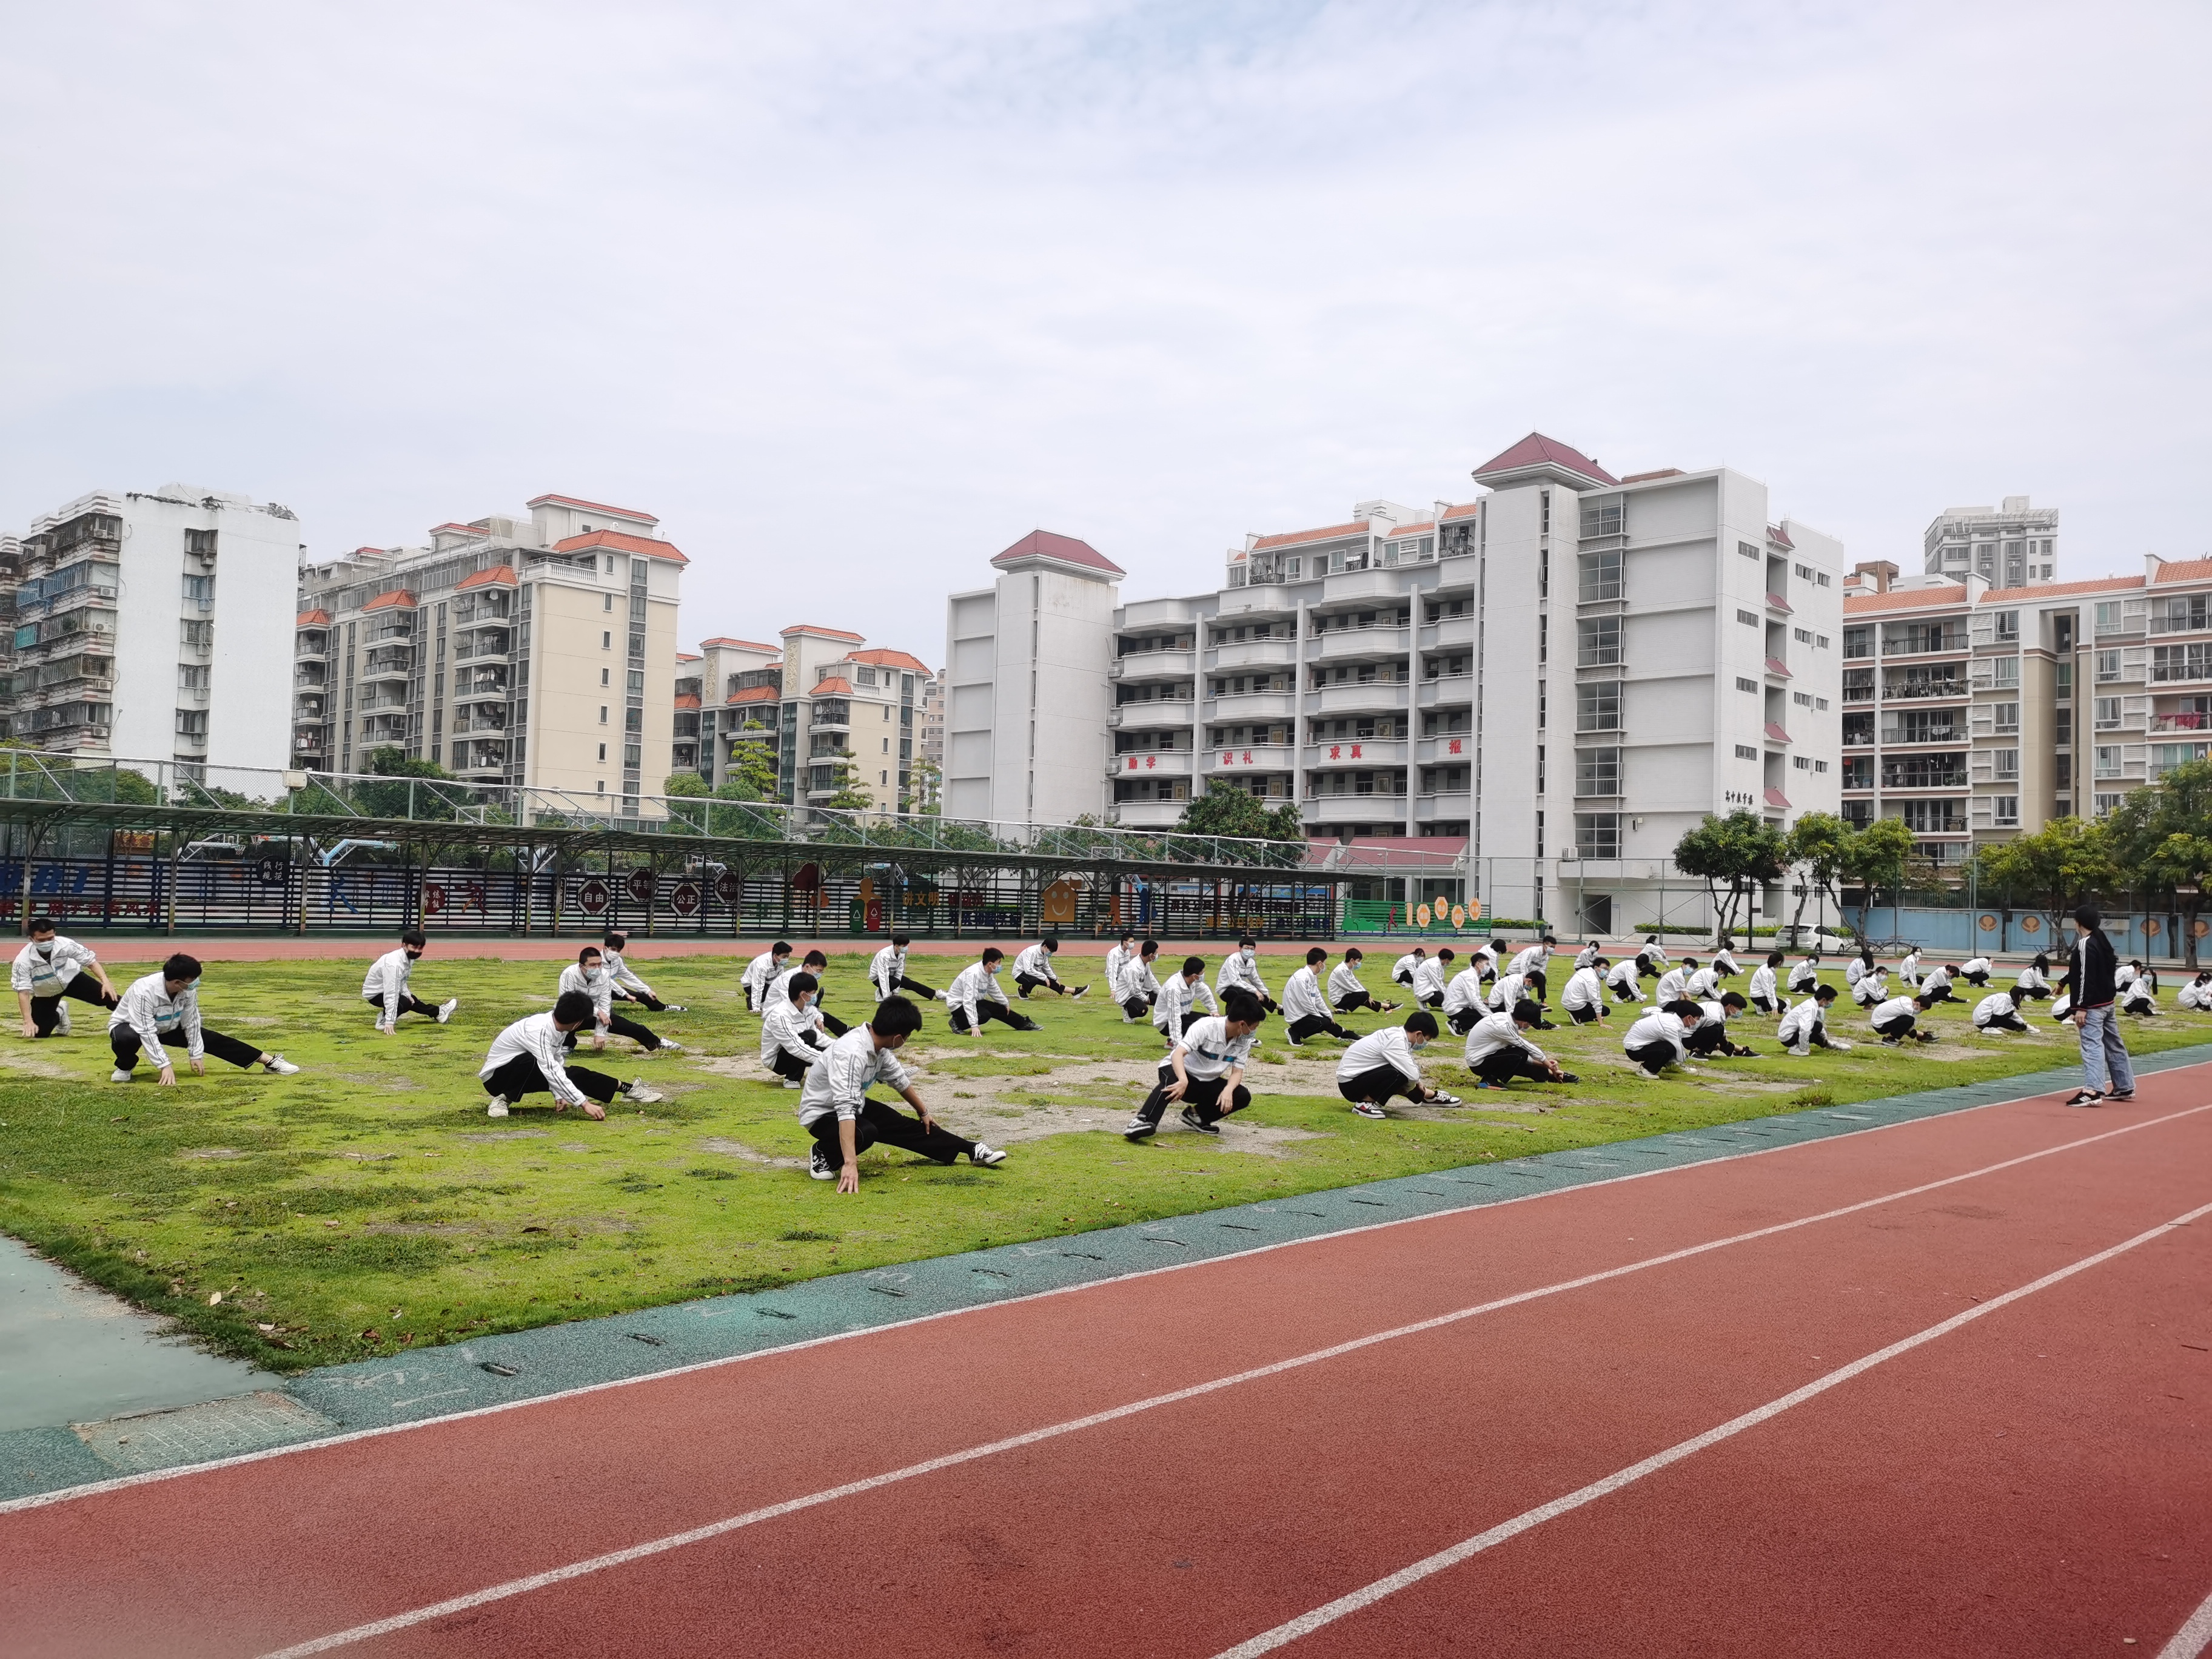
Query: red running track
x=2025, y=1473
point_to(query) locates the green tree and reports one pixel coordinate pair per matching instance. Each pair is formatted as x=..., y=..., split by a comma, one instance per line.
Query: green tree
x=2162, y=836
x=927, y=784
x=400, y=798
x=1876, y=857
x=1733, y=856
x=1228, y=811
x=2066, y=862
x=851, y=795
x=684, y=786
x=1819, y=842
x=753, y=767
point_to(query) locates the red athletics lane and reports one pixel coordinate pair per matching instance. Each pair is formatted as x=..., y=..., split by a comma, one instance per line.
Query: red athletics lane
x=1884, y=1513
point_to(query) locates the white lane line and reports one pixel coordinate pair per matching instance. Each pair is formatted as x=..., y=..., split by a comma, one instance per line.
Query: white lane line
x=1306, y=1624
x=2193, y=1637
x=119, y=1483
x=1052, y=1431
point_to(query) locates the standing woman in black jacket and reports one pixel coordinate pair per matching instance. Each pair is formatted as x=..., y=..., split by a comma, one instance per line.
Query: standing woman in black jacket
x=2107, y=1074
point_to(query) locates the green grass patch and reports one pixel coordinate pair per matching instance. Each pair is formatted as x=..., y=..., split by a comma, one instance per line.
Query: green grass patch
x=367, y=1205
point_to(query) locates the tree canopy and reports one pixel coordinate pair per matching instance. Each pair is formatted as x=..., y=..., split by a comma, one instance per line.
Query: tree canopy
x=1732, y=855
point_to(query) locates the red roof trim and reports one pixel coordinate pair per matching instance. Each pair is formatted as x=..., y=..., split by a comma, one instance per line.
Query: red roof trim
x=594, y=507
x=1330, y=532
x=1065, y=549
x=615, y=538
x=821, y=633
x=398, y=596
x=500, y=576
x=743, y=645
x=687, y=701
x=880, y=659
x=756, y=693
x=835, y=686
x=1776, y=798
x=313, y=619
x=1537, y=450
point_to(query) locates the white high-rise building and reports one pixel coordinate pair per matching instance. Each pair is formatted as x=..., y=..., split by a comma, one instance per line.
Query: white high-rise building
x=157, y=625
x=2014, y=546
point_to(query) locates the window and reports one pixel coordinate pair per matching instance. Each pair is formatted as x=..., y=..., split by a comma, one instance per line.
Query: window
x=2181, y=662
x=1821, y=642
x=2008, y=627
x=1746, y=619
x=1804, y=572
x=1599, y=577
x=1803, y=699
x=2006, y=763
x=1597, y=706
x=199, y=591
x=1819, y=766
x=2164, y=758
x=603, y=751
x=2108, y=617
x=1597, y=771
x=609, y=602
x=2108, y=759
x=1858, y=642
x=2107, y=714
x=1745, y=752
x=1744, y=550
x=1743, y=685
x=2007, y=717
x=2005, y=670
x=604, y=674
x=1597, y=835
x=1933, y=816
x=1597, y=642
x=1858, y=772
x=606, y=643
x=1821, y=578
x=2108, y=666
x=1802, y=762
x=1601, y=518
x=2004, y=810
x=1819, y=703
x=603, y=713
x=2101, y=805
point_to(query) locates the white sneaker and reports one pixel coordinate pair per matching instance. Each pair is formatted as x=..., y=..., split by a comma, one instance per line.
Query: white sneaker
x=643, y=1093
x=676, y=1007
x=793, y=1083
x=495, y=1107
x=667, y=1047
x=445, y=1009
x=62, y=1018
x=988, y=1156
x=118, y=1075
x=281, y=1066
x=819, y=1166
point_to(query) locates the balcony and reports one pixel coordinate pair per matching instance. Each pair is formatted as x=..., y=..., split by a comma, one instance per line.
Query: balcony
x=1899, y=736
x=1146, y=814
x=483, y=689
x=316, y=674
x=1858, y=694
x=1256, y=653
x=479, y=755
x=1153, y=666
x=1447, y=691
x=307, y=743
x=1354, y=698
x=307, y=706
x=368, y=705
x=1152, y=763
x=1259, y=758
x=1387, y=792
x=312, y=642
x=1356, y=752
x=2187, y=721
x=1157, y=713
x=1359, y=644
x=486, y=719
x=482, y=644
x=1918, y=644
x=1449, y=631
x=2199, y=620
x=1930, y=690
x=389, y=664
x=1242, y=707
x=1351, y=585
x=384, y=728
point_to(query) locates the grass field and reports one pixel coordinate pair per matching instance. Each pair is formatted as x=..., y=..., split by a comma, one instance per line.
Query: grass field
x=368, y=1204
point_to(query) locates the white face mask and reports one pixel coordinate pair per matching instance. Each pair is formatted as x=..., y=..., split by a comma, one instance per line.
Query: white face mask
x=1245, y=951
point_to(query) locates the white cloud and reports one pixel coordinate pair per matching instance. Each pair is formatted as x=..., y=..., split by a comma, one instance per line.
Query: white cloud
x=853, y=297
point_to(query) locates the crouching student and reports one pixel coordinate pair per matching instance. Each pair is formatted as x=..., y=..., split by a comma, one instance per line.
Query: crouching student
x=1936, y=986
x=1724, y=963
x=1674, y=984
x=1465, y=1000
x=1976, y=971
x=1497, y=1051
x=628, y=986
x=1660, y=1038
x=1620, y=980
x=887, y=971
x=2140, y=994
x=1765, y=993
x=385, y=988
x=1871, y=989
x=1898, y=1019
x=164, y=1009
x=531, y=1057
x=762, y=972
x=2198, y=994
x=1805, y=1027
x=1381, y=1066
x=789, y=1046
x=1346, y=993
x=779, y=992
x=1303, y=1007
x=1131, y=982
x=1205, y=1071
x=1583, y=994
x=1711, y=1036
x=2034, y=980
x=974, y=998
x=589, y=975
x=1240, y=971
x=1652, y=959
x=835, y=1109
x=1402, y=970
x=1033, y=972
x=1429, y=978
x=1805, y=976
x=2000, y=1012
x=1182, y=995
x=50, y=971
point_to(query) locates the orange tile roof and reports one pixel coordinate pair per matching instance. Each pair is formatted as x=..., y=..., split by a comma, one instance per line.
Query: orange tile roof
x=2185, y=570
x=888, y=659
x=743, y=645
x=471, y=529
x=1468, y=510
x=1329, y=533
x=2052, y=589
x=1064, y=549
x=398, y=596
x=498, y=575
x=313, y=619
x=1426, y=527
x=615, y=539
x=1950, y=594
x=821, y=633
x=756, y=693
x=595, y=506
x=835, y=686
x=686, y=702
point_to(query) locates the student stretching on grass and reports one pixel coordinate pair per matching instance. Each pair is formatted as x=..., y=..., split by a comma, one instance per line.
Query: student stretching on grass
x=1703, y=983
x=2034, y=980
x=1896, y=1019
x=1805, y=976
x=1620, y=980
x=1583, y=994
x=887, y=971
x=2000, y=1011
x=1428, y=979
x=1872, y=990
x=1861, y=965
x=1976, y=971
x=1181, y=996
x=1766, y=995
x=1660, y=1038
x=1205, y=1071
x=1908, y=967
x=164, y=1009
x=628, y=986
x=1588, y=957
x=1118, y=957
x=779, y=991
x=1532, y=957
x=974, y=998
x=2198, y=994
x=1674, y=984
x=1936, y=986
x=788, y=1045
x=1240, y=971
x=1711, y=1037
x=2140, y=994
x=50, y=969
x=1381, y=1067
x=1805, y=1027
x=1303, y=1008
x=1346, y=993
x=1133, y=985
x=1033, y=972
x=531, y=1056
x=1403, y=969
x=589, y=975
x=1724, y=965
x=1652, y=959
x=761, y=972
x=385, y=987
x=1464, y=1000
x=833, y=1106
x=1497, y=1051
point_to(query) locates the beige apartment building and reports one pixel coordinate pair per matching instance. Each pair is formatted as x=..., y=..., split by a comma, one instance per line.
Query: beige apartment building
x=537, y=652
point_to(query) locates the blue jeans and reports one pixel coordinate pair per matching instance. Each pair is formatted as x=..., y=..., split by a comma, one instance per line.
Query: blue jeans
x=2103, y=1050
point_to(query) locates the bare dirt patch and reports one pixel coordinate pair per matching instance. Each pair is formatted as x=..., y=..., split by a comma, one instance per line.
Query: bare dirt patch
x=728, y=1148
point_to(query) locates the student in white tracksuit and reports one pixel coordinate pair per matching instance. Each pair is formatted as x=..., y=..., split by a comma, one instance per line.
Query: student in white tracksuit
x=1897, y=1019
x=1205, y=1071
x=1651, y=959
x=162, y=1010
x=1401, y=971
x=974, y=998
x=1935, y=986
x=761, y=972
x=1871, y=989
x=1346, y=993
x=1183, y=996
x=1119, y=956
x=1999, y=1012
x=779, y=991
x=1240, y=971
x=1528, y=959
x=2139, y=995
x=1724, y=964
x=1428, y=979
x=1805, y=1027
x=2198, y=994
x=1674, y=983
x=789, y=1044
x=1766, y=995
x=1976, y=971
x=1859, y=967
x=1133, y=985
x=588, y=974
x=386, y=986
x=1711, y=1036
x=531, y=1057
x=843, y=1119
x=1381, y=1067
x=887, y=971
x=1033, y=972
x=628, y=987
x=1583, y=994
x=1498, y=1050
x=1908, y=967
x=1659, y=1038
x=1703, y=985
x=50, y=972
x=1806, y=974
x=1620, y=980
x=1305, y=1011
x=1465, y=1001
x=1588, y=956
x=2034, y=980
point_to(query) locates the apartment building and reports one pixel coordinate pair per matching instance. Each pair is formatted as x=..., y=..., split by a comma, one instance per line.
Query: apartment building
x=1977, y=713
x=154, y=625
x=741, y=694
x=2014, y=546
x=537, y=652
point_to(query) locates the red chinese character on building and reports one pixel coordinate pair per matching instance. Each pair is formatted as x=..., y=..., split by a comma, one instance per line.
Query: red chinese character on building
x=1228, y=759
x=1336, y=751
x=1355, y=751
x=1455, y=745
x=1133, y=763
x=1151, y=760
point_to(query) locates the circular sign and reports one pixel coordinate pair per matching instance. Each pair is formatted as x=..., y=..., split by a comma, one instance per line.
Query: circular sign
x=434, y=898
x=2199, y=928
x=1474, y=910
x=640, y=886
x=2031, y=924
x=726, y=887
x=592, y=896
x=1987, y=924
x=1421, y=915
x=685, y=898
x=1459, y=916
x=2150, y=927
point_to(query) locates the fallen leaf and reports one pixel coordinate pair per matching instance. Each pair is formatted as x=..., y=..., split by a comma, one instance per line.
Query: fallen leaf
x=216, y=1298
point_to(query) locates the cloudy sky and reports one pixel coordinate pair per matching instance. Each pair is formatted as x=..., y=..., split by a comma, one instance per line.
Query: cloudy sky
x=853, y=295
